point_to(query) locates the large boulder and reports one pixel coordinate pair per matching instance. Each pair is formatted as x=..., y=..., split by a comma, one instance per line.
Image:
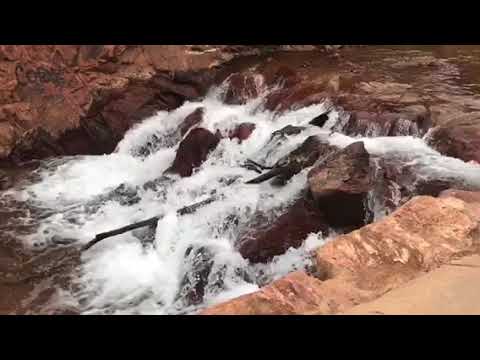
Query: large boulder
x=341, y=182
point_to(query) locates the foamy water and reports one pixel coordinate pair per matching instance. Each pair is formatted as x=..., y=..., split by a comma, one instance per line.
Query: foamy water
x=122, y=276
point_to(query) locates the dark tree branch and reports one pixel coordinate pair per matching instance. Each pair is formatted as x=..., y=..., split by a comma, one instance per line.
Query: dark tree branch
x=149, y=222
x=267, y=176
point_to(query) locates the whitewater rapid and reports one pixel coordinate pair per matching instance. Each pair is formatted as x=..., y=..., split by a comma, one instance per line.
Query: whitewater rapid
x=122, y=275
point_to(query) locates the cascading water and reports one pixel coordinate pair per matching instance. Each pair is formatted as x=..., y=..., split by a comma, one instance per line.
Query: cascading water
x=85, y=195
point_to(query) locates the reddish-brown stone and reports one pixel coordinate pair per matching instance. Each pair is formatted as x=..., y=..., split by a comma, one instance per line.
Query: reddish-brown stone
x=342, y=182
x=459, y=137
x=193, y=151
x=242, y=132
x=191, y=120
x=61, y=89
x=266, y=240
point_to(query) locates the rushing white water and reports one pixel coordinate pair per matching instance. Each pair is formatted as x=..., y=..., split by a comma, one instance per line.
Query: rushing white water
x=120, y=275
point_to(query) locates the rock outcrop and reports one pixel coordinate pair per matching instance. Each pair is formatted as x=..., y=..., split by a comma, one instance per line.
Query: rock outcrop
x=340, y=184
x=72, y=99
x=86, y=96
x=364, y=264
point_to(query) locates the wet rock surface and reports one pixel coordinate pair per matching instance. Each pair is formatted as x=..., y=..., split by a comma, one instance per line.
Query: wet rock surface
x=342, y=182
x=264, y=241
x=54, y=110
x=193, y=151
x=362, y=265
x=459, y=137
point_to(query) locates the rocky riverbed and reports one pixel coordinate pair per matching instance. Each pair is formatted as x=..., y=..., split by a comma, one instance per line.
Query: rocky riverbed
x=328, y=172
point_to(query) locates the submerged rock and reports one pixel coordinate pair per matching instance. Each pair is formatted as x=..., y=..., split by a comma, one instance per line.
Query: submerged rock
x=265, y=240
x=198, y=265
x=191, y=120
x=242, y=132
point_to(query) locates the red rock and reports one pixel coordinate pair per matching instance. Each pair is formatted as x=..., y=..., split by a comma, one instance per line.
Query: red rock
x=365, y=264
x=365, y=123
x=278, y=74
x=266, y=240
x=35, y=144
x=295, y=98
x=242, y=87
x=421, y=235
x=193, y=151
x=291, y=164
x=342, y=182
x=296, y=293
x=71, y=91
x=459, y=137
x=242, y=132
x=191, y=120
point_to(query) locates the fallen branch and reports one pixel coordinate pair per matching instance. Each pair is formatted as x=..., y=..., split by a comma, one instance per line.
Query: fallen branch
x=149, y=222
x=254, y=166
x=267, y=176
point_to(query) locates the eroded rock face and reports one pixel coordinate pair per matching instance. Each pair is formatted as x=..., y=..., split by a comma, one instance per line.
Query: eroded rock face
x=292, y=98
x=364, y=123
x=296, y=293
x=364, y=264
x=421, y=235
x=248, y=85
x=86, y=96
x=193, y=151
x=243, y=87
x=340, y=185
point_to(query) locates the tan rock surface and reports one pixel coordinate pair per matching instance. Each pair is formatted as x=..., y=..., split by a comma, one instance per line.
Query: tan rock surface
x=361, y=266
x=452, y=289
